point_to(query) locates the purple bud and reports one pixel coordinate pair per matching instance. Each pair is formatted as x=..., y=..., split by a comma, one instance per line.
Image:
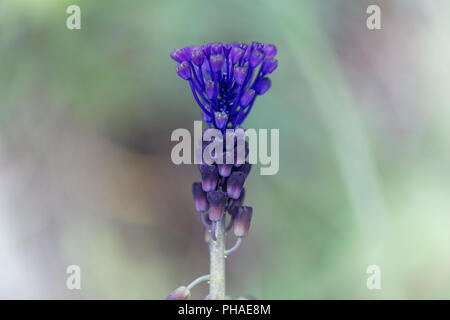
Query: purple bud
x=184, y=70
x=257, y=46
x=234, y=184
x=270, y=50
x=197, y=57
x=217, y=62
x=221, y=119
x=210, y=89
x=236, y=54
x=201, y=203
x=262, y=86
x=217, y=202
x=181, y=293
x=216, y=48
x=179, y=55
x=255, y=58
x=188, y=53
x=240, y=73
x=225, y=169
x=207, y=49
x=247, y=97
x=269, y=65
x=242, y=221
x=210, y=177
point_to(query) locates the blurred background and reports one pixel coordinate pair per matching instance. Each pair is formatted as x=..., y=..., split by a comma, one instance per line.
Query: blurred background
x=85, y=170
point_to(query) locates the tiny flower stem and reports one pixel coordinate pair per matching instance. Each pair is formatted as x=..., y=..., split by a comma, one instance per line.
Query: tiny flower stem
x=205, y=222
x=235, y=247
x=197, y=281
x=217, y=261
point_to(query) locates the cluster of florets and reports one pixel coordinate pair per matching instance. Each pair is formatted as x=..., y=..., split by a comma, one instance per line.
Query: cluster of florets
x=224, y=170
x=225, y=79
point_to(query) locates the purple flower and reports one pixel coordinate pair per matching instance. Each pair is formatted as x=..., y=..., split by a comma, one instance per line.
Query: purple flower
x=201, y=203
x=217, y=203
x=235, y=183
x=210, y=177
x=226, y=78
x=243, y=216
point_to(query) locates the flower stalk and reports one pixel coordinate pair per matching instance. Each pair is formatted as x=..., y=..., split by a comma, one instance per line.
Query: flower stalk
x=217, y=262
x=225, y=81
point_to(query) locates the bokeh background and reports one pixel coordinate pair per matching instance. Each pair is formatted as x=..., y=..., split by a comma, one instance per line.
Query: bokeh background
x=85, y=170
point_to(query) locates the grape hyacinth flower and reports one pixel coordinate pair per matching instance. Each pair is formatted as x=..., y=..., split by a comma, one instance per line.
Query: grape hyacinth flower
x=225, y=80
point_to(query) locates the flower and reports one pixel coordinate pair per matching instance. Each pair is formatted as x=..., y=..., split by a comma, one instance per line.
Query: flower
x=243, y=216
x=180, y=293
x=225, y=79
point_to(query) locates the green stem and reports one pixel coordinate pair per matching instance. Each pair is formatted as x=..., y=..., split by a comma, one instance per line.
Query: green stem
x=217, y=262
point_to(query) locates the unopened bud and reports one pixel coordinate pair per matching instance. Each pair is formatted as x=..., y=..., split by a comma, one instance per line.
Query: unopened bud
x=242, y=221
x=181, y=293
x=235, y=184
x=209, y=177
x=217, y=202
x=201, y=203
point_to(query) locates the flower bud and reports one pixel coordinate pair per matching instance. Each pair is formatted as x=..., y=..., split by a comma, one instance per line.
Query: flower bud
x=270, y=50
x=235, y=183
x=197, y=57
x=255, y=58
x=200, y=200
x=242, y=221
x=225, y=169
x=240, y=73
x=236, y=54
x=181, y=293
x=221, y=119
x=262, y=86
x=184, y=70
x=207, y=49
x=269, y=65
x=217, y=62
x=210, y=177
x=217, y=202
x=180, y=55
x=216, y=48
x=247, y=97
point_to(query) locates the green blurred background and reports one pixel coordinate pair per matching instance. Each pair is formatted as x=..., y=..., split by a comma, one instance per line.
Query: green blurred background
x=85, y=171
